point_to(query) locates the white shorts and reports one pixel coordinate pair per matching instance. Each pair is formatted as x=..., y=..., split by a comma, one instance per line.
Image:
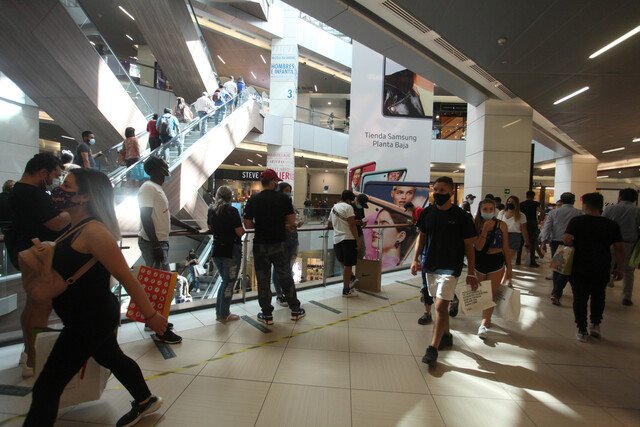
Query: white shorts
x=442, y=286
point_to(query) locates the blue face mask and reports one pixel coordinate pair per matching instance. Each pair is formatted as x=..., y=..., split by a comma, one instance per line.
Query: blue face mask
x=487, y=216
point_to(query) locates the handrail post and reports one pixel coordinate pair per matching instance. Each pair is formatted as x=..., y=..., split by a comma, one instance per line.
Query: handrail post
x=244, y=279
x=380, y=239
x=325, y=251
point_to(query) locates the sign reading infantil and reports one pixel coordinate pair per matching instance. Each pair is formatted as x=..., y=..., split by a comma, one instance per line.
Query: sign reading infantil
x=284, y=63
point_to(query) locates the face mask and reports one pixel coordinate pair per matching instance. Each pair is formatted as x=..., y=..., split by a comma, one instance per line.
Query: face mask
x=511, y=206
x=55, y=183
x=62, y=199
x=289, y=195
x=92, y=141
x=358, y=206
x=441, y=199
x=487, y=215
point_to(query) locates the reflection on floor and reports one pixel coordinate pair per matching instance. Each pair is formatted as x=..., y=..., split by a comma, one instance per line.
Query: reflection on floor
x=357, y=362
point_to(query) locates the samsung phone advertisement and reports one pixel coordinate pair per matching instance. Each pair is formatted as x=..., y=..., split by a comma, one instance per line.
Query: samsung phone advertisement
x=389, y=150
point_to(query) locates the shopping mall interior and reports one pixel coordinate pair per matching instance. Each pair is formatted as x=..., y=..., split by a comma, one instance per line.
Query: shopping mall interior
x=380, y=97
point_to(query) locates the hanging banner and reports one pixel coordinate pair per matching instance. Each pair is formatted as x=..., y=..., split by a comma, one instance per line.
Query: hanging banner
x=389, y=149
x=281, y=159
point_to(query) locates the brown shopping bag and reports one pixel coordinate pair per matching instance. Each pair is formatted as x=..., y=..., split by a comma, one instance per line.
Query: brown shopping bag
x=369, y=275
x=507, y=303
x=86, y=386
x=159, y=286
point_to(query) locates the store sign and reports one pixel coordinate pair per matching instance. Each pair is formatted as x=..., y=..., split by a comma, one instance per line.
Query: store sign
x=284, y=63
x=281, y=159
x=239, y=175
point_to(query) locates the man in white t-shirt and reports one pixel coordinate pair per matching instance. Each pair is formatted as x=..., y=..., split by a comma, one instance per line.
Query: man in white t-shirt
x=346, y=242
x=231, y=87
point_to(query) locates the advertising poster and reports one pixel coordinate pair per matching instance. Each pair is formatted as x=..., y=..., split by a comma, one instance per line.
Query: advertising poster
x=281, y=159
x=389, y=149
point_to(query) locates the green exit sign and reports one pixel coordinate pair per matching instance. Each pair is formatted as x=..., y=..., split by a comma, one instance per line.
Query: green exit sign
x=507, y=191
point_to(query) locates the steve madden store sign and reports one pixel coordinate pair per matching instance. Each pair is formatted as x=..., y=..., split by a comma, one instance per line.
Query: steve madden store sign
x=239, y=175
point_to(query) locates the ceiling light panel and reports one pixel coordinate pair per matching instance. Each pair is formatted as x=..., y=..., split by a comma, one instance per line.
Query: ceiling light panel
x=571, y=95
x=615, y=42
x=613, y=149
x=126, y=13
x=129, y=37
x=220, y=58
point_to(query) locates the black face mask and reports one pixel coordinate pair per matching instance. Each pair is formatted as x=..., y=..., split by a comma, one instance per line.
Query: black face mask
x=441, y=199
x=511, y=207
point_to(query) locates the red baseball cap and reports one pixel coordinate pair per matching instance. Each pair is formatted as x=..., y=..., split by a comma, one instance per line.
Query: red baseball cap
x=270, y=174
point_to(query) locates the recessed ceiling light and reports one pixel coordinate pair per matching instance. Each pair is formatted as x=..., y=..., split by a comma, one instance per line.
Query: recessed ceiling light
x=254, y=76
x=221, y=60
x=571, y=95
x=613, y=149
x=306, y=166
x=326, y=170
x=619, y=171
x=92, y=43
x=603, y=176
x=329, y=103
x=258, y=154
x=615, y=42
x=456, y=171
x=129, y=37
x=237, y=164
x=68, y=137
x=260, y=165
x=126, y=13
x=635, y=140
x=134, y=57
x=250, y=161
x=431, y=165
x=263, y=60
x=461, y=165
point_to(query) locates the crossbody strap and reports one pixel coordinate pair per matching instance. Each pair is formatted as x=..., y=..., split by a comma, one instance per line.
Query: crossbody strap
x=487, y=242
x=87, y=266
x=73, y=230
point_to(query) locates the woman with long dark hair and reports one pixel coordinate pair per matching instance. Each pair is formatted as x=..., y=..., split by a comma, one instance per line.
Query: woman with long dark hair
x=517, y=224
x=225, y=224
x=88, y=309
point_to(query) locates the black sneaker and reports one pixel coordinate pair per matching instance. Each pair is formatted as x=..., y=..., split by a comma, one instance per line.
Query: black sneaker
x=446, y=341
x=425, y=319
x=555, y=300
x=169, y=337
x=267, y=319
x=169, y=326
x=138, y=411
x=282, y=301
x=298, y=314
x=431, y=356
x=453, y=308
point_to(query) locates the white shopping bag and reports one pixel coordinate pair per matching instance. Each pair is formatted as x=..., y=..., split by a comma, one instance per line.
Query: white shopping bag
x=507, y=303
x=476, y=301
x=87, y=385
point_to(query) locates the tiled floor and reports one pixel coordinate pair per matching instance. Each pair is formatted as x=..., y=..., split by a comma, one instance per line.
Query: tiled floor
x=366, y=370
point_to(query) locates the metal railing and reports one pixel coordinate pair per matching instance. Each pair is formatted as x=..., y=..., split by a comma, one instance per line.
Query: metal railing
x=317, y=118
x=458, y=133
x=325, y=27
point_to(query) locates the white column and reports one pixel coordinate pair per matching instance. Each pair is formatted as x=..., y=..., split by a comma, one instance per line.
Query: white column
x=576, y=174
x=283, y=96
x=498, y=150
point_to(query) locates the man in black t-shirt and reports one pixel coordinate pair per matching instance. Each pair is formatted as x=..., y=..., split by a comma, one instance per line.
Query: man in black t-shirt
x=449, y=233
x=271, y=213
x=592, y=236
x=530, y=208
x=35, y=217
x=84, y=156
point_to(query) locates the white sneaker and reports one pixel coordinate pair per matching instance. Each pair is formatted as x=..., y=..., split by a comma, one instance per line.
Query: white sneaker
x=350, y=294
x=594, y=331
x=482, y=332
x=582, y=336
x=354, y=284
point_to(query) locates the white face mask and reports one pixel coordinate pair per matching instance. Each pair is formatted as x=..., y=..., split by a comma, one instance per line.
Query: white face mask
x=92, y=141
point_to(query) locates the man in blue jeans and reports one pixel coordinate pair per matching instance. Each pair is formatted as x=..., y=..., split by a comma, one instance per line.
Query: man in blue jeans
x=449, y=234
x=271, y=214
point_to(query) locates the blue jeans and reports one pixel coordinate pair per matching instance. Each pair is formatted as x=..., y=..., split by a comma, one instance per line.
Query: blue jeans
x=228, y=269
x=195, y=283
x=147, y=255
x=203, y=123
x=266, y=255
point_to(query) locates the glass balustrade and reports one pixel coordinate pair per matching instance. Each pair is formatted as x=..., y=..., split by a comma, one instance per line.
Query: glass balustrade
x=317, y=118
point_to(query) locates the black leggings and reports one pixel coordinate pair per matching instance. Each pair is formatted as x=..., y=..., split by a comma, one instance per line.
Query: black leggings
x=72, y=349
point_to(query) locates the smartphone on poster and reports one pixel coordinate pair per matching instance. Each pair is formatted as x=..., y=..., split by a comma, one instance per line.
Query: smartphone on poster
x=355, y=175
x=392, y=175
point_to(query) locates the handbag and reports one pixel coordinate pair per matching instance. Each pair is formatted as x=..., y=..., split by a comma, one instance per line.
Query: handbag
x=40, y=280
x=634, y=259
x=562, y=261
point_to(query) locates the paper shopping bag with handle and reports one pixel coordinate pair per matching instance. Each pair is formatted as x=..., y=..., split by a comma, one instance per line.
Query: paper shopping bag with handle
x=507, y=303
x=369, y=275
x=159, y=286
x=476, y=301
x=562, y=261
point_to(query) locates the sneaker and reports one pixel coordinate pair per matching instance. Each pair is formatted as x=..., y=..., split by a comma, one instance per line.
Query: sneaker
x=169, y=337
x=425, y=319
x=431, y=356
x=582, y=336
x=354, y=283
x=282, y=301
x=555, y=300
x=453, y=308
x=138, y=411
x=627, y=302
x=267, y=319
x=349, y=293
x=148, y=329
x=229, y=318
x=482, y=332
x=446, y=341
x=298, y=314
x=594, y=331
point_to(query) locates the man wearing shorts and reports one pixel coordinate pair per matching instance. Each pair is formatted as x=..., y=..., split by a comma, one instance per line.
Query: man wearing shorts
x=449, y=235
x=346, y=241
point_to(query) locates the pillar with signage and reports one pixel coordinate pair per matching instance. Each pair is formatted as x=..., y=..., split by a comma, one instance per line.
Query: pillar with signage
x=283, y=96
x=498, y=151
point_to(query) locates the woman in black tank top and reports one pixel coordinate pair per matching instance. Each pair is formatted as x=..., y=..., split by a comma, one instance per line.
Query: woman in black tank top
x=87, y=308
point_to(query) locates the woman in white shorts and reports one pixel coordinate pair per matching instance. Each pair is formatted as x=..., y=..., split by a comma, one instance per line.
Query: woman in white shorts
x=517, y=226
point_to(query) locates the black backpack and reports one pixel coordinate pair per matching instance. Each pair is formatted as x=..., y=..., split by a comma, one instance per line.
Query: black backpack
x=165, y=126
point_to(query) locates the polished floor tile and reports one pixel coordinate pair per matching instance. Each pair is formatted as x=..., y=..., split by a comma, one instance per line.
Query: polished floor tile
x=314, y=367
x=382, y=409
x=259, y=364
x=549, y=414
x=328, y=338
x=385, y=372
x=468, y=411
x=383, y=341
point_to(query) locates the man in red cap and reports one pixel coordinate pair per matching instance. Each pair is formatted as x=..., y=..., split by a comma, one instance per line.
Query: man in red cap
x=271, y=214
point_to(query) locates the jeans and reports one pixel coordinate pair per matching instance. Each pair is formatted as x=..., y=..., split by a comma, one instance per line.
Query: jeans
x=164, y=152
x=426, y=298
x=266, y=255
x=73, y=348
x=628, y=272
x=146, y=247
x=228, y=269
x=292, y=253
x=534, y=233
x=559, y=280
x=583, y=287
x=203, y=123
x=195, y=283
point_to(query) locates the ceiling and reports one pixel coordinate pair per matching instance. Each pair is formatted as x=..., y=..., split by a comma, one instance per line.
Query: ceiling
x=545, y=58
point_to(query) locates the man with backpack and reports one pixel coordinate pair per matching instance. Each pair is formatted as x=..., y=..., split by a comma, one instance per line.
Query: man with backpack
x=167, y=126
x=34, y=217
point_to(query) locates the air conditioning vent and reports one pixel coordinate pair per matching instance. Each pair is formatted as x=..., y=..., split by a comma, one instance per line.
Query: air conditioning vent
x=488, y=77
x=506, y=91
x=406, y=16
x=452, y=50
